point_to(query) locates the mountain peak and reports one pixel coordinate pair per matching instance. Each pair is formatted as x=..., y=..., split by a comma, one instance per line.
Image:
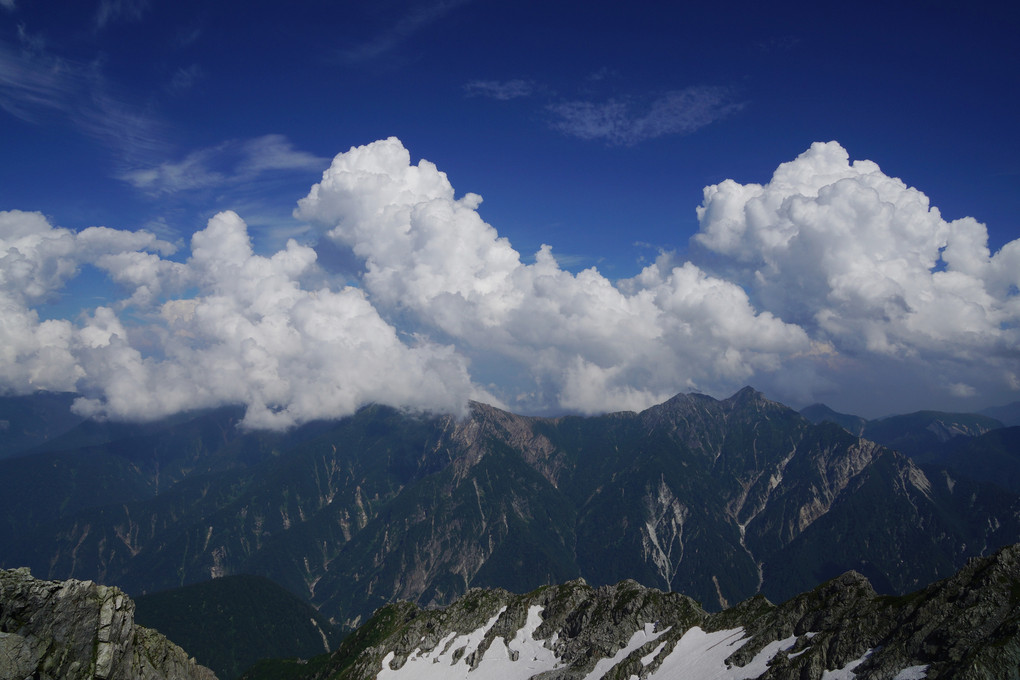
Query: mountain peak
x=820, y=413
x=747, y=394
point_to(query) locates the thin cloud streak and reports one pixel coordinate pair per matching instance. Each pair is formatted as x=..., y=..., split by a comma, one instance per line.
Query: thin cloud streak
x=34, y=83
x=229, y=163
x=500, y=90
x=418, y=19
x=113, y=10
x=27, y=85
x=619, y=122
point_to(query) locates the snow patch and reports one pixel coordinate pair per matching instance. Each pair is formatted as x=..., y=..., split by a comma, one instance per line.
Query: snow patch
x=913, y=673
x=438, y=663
x=703, y=655
x=847, y=671
x=638, y=639
x=523, y=658
x=647, y=659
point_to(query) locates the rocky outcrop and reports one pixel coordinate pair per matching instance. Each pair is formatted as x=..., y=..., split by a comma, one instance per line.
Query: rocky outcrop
x=967, y=626
x=71, y=630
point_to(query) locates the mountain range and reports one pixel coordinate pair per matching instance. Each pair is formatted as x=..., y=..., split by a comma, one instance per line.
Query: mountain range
x=717, y=499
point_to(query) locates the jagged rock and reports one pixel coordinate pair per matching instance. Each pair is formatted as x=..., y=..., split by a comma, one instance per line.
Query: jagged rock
x=967, y=626
x=70, y=630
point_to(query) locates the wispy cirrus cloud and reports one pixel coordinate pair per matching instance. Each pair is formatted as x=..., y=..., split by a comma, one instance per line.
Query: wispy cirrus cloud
x=231, y=162
x=113, y=10
x=35, y=83
x=415, y=20
x=503, y=90
x=185, y=78
x=625, y=122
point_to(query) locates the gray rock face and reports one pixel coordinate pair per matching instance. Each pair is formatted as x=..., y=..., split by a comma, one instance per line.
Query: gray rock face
x=70, y=630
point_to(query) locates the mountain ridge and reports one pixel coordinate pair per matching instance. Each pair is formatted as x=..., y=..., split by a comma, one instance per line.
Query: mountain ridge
x=965, y=626
x=717, y=498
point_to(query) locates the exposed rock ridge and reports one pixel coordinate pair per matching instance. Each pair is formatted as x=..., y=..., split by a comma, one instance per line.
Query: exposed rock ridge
x=967, y=626
x=71, y=630
x=489, y=423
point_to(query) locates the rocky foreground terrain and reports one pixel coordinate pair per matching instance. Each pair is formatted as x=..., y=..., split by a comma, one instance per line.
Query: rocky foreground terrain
x=967, y=626
x=71, y=630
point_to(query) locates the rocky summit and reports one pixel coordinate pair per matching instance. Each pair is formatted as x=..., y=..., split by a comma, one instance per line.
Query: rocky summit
x=78, y=630
x=967, y=626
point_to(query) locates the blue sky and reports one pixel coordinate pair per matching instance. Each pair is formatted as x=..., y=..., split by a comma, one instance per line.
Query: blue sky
x=592, y=127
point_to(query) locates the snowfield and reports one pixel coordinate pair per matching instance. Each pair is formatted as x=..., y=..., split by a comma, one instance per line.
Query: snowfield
x=697, y=655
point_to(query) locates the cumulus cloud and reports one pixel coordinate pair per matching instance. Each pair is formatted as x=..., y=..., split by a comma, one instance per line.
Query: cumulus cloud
x=831, y=277
x=37, y=261
x=586, y=343
x=253, y=335
x=865, y=263
x=623, y=122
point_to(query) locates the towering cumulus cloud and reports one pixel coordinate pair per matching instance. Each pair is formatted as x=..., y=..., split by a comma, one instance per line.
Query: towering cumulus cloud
x=861, y=261
x=584, y=342
x=833, y=276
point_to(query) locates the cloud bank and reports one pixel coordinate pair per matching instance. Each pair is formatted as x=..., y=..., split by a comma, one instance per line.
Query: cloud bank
x=254, y=335
x=832, y=278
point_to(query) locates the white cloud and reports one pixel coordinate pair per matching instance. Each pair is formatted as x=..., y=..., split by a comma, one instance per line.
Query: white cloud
x=831, y=278
x=275, y=152
x=863, y=262
x=616, y=122
x=253, y=335
x=37, y=261
x=588, y=344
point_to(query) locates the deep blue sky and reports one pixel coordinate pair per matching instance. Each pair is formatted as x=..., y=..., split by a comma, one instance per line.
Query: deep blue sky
x=926, y=90
x=148, y=114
